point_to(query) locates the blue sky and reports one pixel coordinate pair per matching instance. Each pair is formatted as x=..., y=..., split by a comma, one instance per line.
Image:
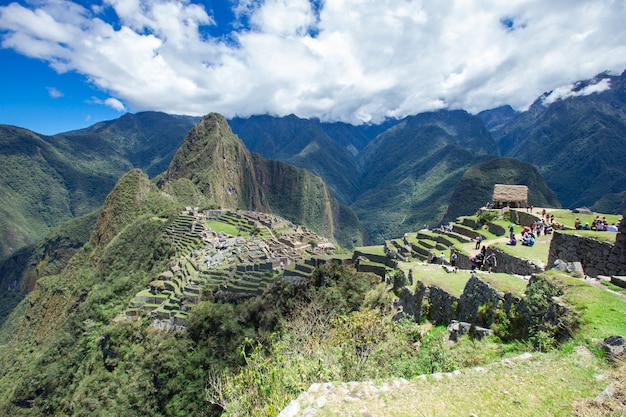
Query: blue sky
x=69, y=64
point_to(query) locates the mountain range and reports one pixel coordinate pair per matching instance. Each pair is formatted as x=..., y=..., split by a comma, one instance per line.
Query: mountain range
x=395, y=176
x=107, y=199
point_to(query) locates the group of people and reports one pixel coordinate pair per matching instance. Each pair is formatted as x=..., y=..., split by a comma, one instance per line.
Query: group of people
x=483, y=262
x=599, y=224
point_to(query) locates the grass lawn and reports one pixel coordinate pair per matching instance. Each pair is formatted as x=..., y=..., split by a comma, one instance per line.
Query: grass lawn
x=432, y=274
x=603, y=236
x=540, y=385
x=374, y=250
x=506, y=283
x=218, y=226
x=602, y=313
x=537, y=253
x=567, y=217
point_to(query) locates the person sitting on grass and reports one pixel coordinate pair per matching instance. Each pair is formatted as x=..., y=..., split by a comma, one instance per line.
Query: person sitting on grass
x=512, y=241
x=528, y=241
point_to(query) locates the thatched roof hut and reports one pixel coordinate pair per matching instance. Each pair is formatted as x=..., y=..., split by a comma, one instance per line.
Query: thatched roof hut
x=510, y=195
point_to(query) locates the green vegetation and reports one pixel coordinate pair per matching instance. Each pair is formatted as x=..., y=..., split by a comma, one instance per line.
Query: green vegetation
x=67, y=349
x=431, y=274
x=537, y=253
x=51, y=179
x=476, y=186
x=504, y=282
x=219, y=226
x=546, y=384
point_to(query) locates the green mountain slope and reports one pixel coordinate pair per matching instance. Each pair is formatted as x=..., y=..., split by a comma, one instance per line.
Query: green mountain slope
x=476, y=185
x=215, y=168
x=303, y=143
x=410, y=170
x=47, y=180
x=148, y=140
x=575, y=142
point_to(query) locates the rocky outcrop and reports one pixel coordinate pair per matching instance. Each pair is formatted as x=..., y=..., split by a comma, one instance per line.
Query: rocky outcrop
x=614, y=347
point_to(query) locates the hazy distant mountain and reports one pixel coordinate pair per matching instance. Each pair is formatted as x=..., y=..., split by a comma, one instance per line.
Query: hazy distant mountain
x=575, y=142
x=147, y=140
x=496, y=119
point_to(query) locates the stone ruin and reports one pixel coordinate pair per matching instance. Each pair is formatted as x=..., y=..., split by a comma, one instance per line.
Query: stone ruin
x=213, y=261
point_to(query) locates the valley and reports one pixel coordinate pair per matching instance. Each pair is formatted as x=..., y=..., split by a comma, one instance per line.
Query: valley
x=156, y=265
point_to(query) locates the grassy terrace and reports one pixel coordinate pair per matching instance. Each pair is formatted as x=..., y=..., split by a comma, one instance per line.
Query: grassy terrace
x=537, y=253
x=374, y=250
x=601, y=313
x=454, y=282
x=544, y=385
x=431, y=274
x=218, y=226
x=504, y=282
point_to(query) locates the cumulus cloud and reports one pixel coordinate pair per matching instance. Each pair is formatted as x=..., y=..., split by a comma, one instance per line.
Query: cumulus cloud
x=348, y=60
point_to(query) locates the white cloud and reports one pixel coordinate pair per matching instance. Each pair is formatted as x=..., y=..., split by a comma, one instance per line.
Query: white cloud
x=54, y=93
x=110, y=102
x=352, y=60
x=114, y=104
x=574, y=90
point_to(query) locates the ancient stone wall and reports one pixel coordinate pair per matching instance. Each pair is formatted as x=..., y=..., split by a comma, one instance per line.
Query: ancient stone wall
x=597, y=257
x=496, y=229
x=435, y=304
x=506, y=263
x=510, y=264
x=478, y=293
x=617, y=257
x=381, y=259
x=523, y=218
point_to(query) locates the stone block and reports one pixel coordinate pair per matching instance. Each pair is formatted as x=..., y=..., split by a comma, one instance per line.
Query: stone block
x=620, y=281
x=614, y=346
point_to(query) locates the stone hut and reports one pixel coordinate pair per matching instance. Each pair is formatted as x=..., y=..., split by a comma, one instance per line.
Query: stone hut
x=510, y=195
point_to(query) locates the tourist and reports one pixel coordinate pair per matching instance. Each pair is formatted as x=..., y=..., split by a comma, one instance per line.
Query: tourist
x=442, y=258
x=577, y=224
x=453, y=258
x=474, y=262
x=491, y=261
x=479, y=239
x=480, y=259
x=512, y=241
